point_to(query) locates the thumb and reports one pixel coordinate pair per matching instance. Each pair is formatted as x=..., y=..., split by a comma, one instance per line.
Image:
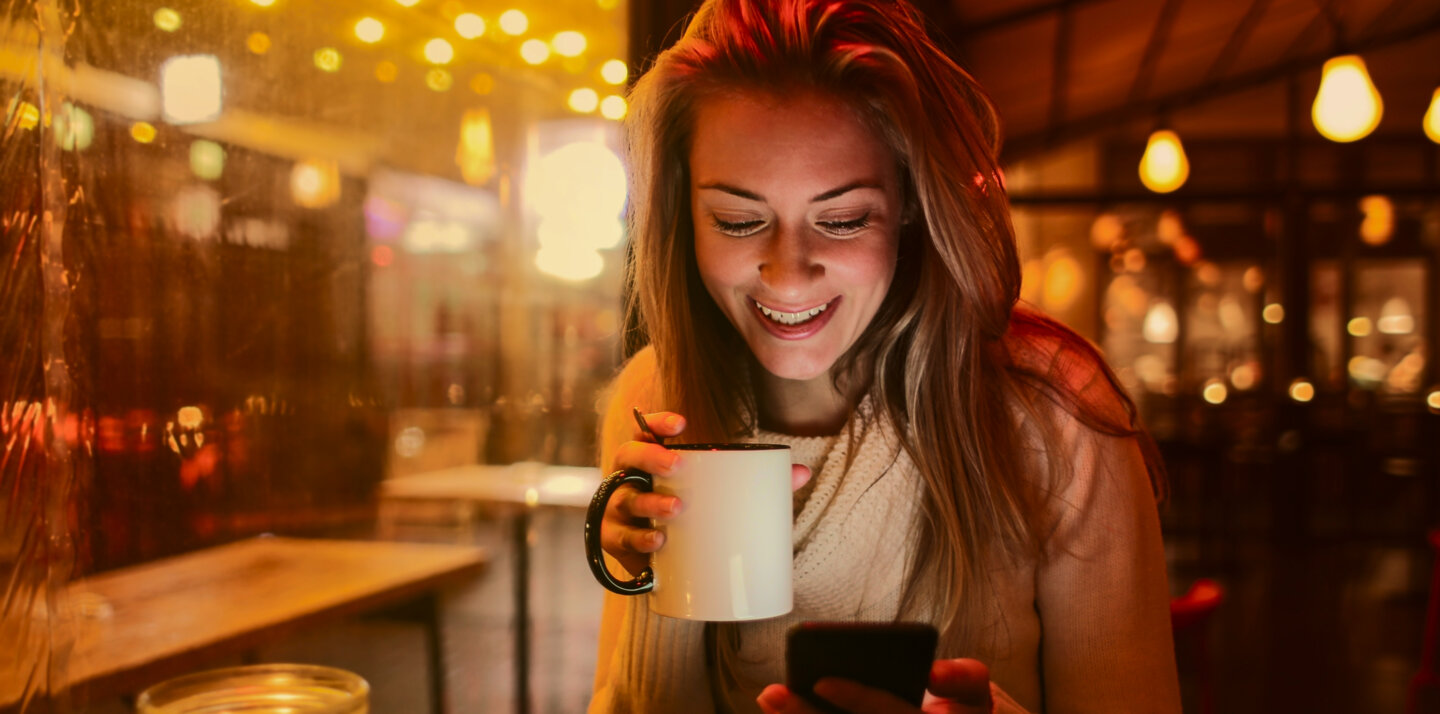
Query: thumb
x=799, y=476
x=963, y=681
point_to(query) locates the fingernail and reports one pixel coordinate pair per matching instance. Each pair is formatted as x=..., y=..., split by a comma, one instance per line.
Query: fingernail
x=672, y=506
x=775, y=698
x=654, y=540
x=674, y=461
x=672, y=422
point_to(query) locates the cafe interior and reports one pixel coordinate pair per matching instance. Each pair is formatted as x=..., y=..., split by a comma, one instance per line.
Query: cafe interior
x=307, y=308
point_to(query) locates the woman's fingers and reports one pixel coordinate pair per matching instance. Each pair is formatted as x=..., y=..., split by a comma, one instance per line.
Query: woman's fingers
x=958, y=686
x=799, y=476
x=666, y=424
x=647, y=456
x=777, y=699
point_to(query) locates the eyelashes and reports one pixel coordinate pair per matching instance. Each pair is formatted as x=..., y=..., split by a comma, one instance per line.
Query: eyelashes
x=745, y=228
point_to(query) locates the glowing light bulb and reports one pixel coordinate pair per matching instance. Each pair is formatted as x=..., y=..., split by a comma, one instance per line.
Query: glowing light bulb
x=1347, y=106
x=584, y=100
x=615, y=72
x=534, y=51
x=469, y=25
x=514, y=22
x=1432, y=400
x=568, y=43
x=1432, y=118
x=613, y=107
x=1164, y=167
x=370, y=30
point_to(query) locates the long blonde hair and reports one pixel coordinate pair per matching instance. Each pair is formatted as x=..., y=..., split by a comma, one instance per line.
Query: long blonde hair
x=948, y=359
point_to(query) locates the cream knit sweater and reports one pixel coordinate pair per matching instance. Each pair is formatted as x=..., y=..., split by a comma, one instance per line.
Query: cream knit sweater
x=1087, y=630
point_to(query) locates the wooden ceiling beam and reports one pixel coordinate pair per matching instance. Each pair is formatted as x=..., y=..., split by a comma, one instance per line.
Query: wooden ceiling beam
x=1154, y=47
x=1237, y=40
x=1098, y=122
x=998, y=22
x=1060, y=67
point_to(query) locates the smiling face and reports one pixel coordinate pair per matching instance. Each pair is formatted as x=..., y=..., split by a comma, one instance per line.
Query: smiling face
x=796, y=207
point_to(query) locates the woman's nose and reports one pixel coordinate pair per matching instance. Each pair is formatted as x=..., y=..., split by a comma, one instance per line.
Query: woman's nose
x=790, y=264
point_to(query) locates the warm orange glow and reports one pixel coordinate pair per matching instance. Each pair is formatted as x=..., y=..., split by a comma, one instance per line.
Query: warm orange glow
x=438, y=51
x=1358, y=327
x=315, y=183
x=382, y=256
x=584, y=100
x=386, y=71
x=258, y=42
x=1379, y=222
x=514, y=22
x=438, y=80
x=613, y=107
x=1347, y=106
x=534, y=51
x=615, y=72
x=568, y=43
x=143, y=132
x=1432, y=400
x=1161, y=325
x=1164, y=167
x=328, y=59
x=190, y=89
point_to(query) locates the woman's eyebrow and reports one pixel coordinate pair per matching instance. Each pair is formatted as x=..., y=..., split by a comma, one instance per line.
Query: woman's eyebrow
x=752, y=196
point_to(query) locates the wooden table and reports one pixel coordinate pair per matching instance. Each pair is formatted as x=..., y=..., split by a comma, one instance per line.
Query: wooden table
x=143, y=624
x=516, y=488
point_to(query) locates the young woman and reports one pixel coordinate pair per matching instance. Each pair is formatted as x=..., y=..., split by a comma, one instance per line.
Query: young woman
x=824, y=258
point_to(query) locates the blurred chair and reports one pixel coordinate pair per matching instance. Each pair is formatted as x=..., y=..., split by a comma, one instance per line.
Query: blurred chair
x=1190, y=617
x=1427, y=679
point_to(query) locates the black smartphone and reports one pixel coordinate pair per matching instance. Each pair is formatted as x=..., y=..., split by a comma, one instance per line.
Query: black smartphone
x=893, y=656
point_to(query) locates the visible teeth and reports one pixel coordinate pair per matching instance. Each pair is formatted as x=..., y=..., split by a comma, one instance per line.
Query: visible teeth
x=791, y=318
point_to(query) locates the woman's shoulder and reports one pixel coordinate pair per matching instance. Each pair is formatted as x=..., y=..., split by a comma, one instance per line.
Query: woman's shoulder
x=1051, y=360
x=636, y=384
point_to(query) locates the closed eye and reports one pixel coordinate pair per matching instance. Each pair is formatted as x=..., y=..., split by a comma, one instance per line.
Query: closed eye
x=736, y=228
x=846, y=227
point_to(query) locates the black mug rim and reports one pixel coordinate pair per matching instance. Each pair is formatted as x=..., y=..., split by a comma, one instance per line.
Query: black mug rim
x=729, y=446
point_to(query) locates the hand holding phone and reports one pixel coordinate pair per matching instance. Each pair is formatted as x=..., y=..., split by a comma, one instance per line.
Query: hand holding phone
x=891, y=656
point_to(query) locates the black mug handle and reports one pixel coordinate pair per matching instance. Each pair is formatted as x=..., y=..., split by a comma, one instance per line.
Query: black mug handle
x=595, y=554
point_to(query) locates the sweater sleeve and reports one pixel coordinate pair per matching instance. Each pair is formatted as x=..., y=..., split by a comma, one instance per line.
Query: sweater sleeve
x=1101, y=592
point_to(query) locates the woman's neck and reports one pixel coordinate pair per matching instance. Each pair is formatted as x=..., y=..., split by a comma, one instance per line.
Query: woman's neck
x=814, y=407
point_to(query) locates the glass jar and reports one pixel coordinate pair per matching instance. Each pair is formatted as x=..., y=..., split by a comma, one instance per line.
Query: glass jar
x=260, y=689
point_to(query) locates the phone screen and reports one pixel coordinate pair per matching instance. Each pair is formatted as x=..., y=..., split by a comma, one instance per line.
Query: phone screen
x=893, y=656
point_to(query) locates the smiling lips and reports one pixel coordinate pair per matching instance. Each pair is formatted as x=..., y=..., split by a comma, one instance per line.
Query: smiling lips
x=794, y=325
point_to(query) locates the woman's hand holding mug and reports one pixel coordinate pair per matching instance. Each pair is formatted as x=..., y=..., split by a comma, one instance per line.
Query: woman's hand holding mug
x=728, y=557
x=626, y=533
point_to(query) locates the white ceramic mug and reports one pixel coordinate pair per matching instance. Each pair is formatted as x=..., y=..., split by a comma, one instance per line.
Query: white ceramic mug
x=727, y=555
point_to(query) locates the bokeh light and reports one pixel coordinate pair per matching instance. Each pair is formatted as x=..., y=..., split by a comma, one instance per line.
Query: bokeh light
x=190, y=89
x=534, y=51
x=386, y=71
x=469, y=25
x=328, y=59
x=514, y=22
x=568, y=43
x=584, y=100
x=167, y=19
x=613, y=107
x=143, y=132
x=1301, y=390
x=439, y=80
x=258, y=43
x=1274, y=313
x=614, y=71
x=370, y=30
x=439, y=51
